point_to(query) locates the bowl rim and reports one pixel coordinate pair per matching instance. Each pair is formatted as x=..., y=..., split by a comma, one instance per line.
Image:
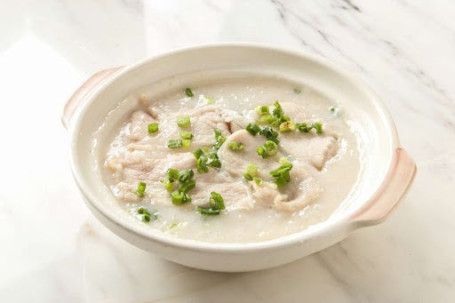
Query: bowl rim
x=313, y=231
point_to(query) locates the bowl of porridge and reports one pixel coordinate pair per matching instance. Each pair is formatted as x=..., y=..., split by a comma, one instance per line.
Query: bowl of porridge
x=234, y=157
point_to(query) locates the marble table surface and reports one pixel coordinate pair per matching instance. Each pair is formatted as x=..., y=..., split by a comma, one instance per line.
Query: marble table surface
x=53, y=250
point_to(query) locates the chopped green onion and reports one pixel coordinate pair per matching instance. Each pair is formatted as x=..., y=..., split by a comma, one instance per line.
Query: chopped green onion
x=216, y=200
x=332, y=109
x=266, y=119
x=262, y=110
x=283, y=160
x=236, y=146
x=297, y=90
x=186, y=135
x=185, y=175
x=201, y=165
x=173, y=174
x=258, y=181
x=261, y=152
x=146, y=218
x=269, y=149
x=287, y=126
x=198, y=153
x=253, y=129
x=146, y=215
x=186, y=143
x=189, y=92
x=208, y=211
x=213, y=160
x=282, y=174
x=270, y=134
x=141, y=189
x=216, y=204
x=179, y=198
x=183, y=121
x=187, y=186
x=251, y=171
x=168, y=184
x=152, y=128
x=219, y=139
x=278, y=110
x=318, y=127
x=303, y=127
x=174, y=143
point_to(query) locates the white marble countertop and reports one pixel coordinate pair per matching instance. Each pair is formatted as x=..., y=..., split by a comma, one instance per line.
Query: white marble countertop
x=52, y=248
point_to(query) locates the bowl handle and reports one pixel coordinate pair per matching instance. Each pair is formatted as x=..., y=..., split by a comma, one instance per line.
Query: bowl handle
x=83, y=92
x=392, y=190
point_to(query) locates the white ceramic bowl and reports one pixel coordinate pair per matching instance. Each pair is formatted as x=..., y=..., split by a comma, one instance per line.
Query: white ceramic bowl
x=386, y=175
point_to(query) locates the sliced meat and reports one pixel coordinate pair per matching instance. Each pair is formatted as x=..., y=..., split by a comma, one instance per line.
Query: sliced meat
x=204, y=121
x=235, y=162
x=235, y=120
x=139, y=123
x=316, y=150
x=302, y=190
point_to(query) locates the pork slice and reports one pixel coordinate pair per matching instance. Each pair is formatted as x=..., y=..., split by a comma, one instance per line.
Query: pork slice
x=234, y=192
x=234, y=120
x=302, y=190
x=204, y=121
x=315, y=149
x=139, y=122
x=235, y=162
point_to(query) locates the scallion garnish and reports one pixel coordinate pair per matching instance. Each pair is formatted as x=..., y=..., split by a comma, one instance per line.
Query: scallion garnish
x=187, y=186
x=173, y=174
x=236, y=146
x=174, y=143
x=208, y=211
x=213, y=161
x=216, y=205
x=216, y=200
x=198, y=153
x=168, y=185
x=201, y=165
x=152, y=128
x=266, y=119
x=179, y=197
x=270, y=134
x=185, y=135
x=185, y=175
x=318, y=127
x=269, y=149
x=189, y=92
x=282, y=173
x=183, y=121
x=186, y=183
x=253, y=129
x=186, y=143
x=332, y=109
x=141, y=189
x=297, y=90
x=303, y=127
x=251, y=171
x=287, y=126
x=146, y=215
x=262, y=110
x=219, y=139
x=258, y=181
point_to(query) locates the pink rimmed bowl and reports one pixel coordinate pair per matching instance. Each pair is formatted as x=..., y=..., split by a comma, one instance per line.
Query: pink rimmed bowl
x=386, y=175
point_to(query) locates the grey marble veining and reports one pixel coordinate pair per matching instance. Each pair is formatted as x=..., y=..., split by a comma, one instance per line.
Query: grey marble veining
x=53, y=250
